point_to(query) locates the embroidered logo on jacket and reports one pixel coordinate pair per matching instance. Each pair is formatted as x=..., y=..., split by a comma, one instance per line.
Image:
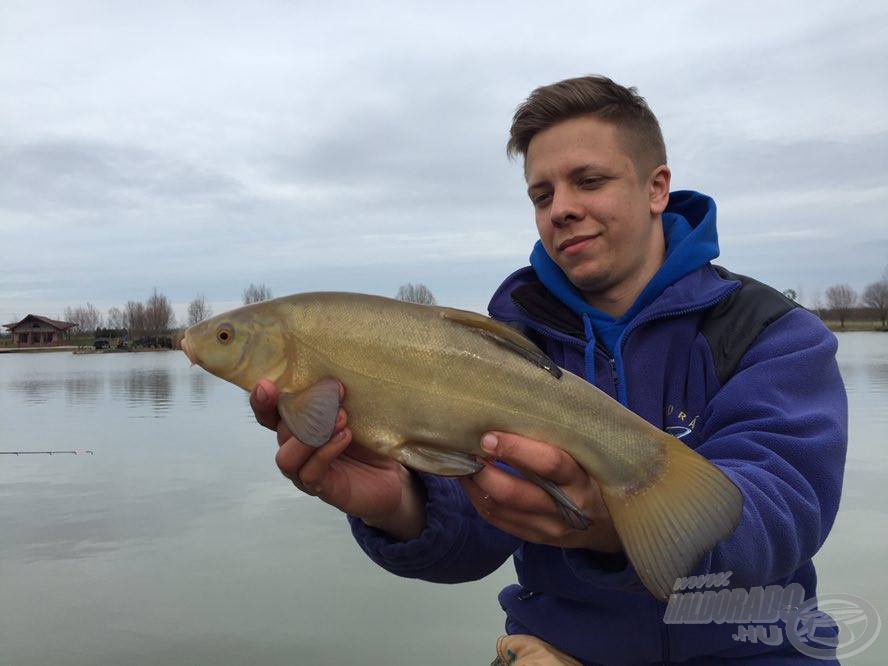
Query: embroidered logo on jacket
x=678, y=423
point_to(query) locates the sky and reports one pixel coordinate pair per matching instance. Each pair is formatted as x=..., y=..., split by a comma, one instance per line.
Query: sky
x=198, y=147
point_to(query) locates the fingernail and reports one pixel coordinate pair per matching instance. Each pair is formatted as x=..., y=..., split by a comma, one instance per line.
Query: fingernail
x=339, y=436
x=488, y=443
x=261, y=394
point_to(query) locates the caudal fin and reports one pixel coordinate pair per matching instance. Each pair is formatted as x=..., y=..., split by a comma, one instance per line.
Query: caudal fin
x=669, y=524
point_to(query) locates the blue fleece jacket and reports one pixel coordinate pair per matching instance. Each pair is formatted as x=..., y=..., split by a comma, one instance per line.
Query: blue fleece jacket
x=777, y=427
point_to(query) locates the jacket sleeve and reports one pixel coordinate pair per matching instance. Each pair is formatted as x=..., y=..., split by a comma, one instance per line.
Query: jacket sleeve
x=778, y=428
x=456, y=545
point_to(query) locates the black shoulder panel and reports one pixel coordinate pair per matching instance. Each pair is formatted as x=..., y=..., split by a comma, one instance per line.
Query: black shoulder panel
x=538, y=303
x=734, y=324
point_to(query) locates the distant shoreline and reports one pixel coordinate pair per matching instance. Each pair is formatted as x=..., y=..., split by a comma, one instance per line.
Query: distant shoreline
x=851, y=326
x=855, y=326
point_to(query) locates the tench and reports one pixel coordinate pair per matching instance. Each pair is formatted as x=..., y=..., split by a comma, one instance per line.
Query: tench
x=424, y=384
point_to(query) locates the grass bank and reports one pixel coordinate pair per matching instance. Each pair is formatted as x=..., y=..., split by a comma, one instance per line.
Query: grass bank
x=854, y=325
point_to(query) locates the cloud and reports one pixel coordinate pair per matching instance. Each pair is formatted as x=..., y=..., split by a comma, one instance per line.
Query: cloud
x=337, y=147
x=91, y=178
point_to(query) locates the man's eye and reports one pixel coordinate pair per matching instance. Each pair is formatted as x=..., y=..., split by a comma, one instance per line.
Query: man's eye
x=590, y=182
x=539, y=199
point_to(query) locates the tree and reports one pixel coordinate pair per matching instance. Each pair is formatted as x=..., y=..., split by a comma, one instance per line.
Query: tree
x=87, y=317
x=817, y=304
x=134, y=318
x=876, y=296
x=256, y=293
x=116, y=319
x=791, y=294
x=198, y=310
x=415, y=293
x=840, y=298
x=159, y=316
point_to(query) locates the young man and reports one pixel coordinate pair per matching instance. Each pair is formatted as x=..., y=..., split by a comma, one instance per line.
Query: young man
x=620, y=290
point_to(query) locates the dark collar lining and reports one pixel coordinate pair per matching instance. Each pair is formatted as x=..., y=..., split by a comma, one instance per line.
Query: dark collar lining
x=536, y=301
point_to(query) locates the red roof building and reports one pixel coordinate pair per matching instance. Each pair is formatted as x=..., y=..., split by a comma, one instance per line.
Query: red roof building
x=37, y=331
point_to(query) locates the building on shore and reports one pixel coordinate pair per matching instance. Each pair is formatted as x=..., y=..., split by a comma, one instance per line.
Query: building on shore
x=37, y=331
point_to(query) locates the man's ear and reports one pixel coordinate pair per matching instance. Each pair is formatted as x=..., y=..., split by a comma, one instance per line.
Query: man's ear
x=659, y=189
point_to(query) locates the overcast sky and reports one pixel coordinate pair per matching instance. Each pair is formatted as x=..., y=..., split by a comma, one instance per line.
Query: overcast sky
x=198, y=147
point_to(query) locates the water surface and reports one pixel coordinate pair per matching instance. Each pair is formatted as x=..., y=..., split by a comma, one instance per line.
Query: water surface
x=178, y=542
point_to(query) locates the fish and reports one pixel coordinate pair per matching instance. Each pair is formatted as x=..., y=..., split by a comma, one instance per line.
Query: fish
x=424, y=383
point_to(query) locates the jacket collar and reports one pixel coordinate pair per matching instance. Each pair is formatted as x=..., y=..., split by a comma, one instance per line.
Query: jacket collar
x=522, y=299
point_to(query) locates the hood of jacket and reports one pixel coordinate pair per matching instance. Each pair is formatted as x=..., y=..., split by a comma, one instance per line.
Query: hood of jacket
x=689, y=226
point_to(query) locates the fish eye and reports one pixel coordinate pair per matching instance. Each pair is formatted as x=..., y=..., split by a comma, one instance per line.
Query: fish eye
x=225, y=334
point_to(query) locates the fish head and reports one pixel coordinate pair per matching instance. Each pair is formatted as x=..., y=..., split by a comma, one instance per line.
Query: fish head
x=241, y=346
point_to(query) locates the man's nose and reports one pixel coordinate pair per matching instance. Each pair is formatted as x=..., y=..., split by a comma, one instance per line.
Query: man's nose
x=565, y=208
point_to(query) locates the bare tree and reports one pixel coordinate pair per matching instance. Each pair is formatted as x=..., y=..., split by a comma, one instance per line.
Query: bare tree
x=256, y=293
x=87, y=317
x=159, y=316
x=198, y=310
x=134, y=318
x=876, y=296
x=116, y=319
x=840, y=298
x=791, y=294
x=817, y=304
x=415, y=293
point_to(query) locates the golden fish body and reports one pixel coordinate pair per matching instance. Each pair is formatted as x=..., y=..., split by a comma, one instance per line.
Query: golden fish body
x=424, y=383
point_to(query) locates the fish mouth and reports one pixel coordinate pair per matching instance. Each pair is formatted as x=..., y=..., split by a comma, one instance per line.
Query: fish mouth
x=188, y=351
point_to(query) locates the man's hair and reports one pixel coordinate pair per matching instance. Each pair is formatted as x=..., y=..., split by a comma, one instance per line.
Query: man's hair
x=596, y=96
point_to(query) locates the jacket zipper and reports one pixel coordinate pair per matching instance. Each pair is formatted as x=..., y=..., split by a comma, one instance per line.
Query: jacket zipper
x=661, y=611
x=618, y=357
x=664, y=633
x=664, y=630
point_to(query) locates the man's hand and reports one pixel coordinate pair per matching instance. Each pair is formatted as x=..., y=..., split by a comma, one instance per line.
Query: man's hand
x=525, y=510
x=376, y=489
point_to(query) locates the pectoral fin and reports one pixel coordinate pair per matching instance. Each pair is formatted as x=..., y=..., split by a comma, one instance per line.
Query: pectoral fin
x=311, y=414
x=572, y=514
x=435, y=460
x=503, y=335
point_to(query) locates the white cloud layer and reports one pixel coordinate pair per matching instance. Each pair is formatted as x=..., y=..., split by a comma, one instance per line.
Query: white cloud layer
x=198, y=148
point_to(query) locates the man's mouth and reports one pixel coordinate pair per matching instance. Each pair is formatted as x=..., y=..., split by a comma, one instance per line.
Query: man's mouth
x=575, y=242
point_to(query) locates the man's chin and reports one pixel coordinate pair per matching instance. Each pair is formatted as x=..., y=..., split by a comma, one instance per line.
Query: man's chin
x=588, y=282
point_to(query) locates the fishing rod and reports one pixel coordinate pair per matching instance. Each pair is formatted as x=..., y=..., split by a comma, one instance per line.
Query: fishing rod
x=76, y=452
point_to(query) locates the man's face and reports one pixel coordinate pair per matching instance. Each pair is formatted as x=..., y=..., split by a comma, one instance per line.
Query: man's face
x=597, y=219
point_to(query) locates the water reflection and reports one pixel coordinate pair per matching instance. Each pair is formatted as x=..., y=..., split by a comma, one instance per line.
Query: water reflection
x=878, y=376
x=79, y=388
x=84, y=389
x=189, y=505
x=144, y=386
x=198, y=383
x=36, y=390
x=71, y=521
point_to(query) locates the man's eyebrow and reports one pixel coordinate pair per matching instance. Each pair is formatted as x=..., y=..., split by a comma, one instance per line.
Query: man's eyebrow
x=591, y=166
x=576, y=171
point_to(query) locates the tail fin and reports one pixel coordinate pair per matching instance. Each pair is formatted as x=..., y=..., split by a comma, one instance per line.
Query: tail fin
x=668, y=525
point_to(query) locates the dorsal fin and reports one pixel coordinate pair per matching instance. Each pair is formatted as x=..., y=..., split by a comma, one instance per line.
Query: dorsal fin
x=503, y=335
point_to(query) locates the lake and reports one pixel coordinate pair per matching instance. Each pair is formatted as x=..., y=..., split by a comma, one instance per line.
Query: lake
x=178, y=542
